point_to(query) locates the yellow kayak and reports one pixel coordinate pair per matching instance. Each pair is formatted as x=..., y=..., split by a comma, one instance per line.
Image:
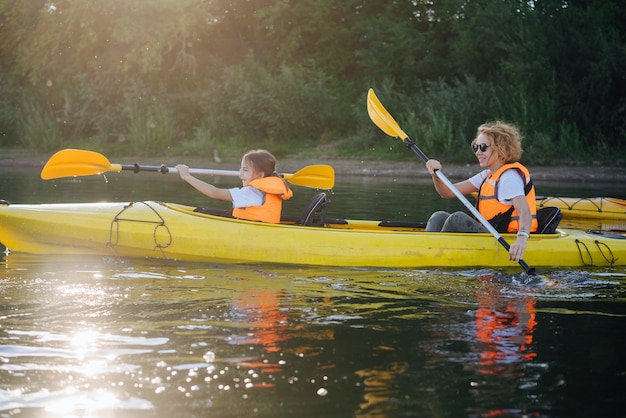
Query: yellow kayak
x=587, y=207
x=173, y=231
x=605, y=213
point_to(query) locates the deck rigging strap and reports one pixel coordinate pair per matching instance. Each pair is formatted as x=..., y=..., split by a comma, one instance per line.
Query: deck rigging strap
x=158, y=224
x=582, y=258
x=611, y=260
x=602, y=244
x=572, y=206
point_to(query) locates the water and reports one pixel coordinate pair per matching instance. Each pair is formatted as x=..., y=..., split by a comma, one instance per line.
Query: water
x=105, y=337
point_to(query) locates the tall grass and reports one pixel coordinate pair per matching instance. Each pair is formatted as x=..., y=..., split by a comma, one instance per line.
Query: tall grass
x=151, y=127
x=37, y=127
x=297, y=107
x=569, y=140
x=8, y=108
x=443, y=119
x=283, y=109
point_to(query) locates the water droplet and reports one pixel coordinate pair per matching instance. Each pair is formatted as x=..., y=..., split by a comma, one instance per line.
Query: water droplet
x=209, y=357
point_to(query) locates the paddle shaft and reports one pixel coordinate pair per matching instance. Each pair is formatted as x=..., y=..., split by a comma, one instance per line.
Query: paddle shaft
x=136, y=168
x=308, y=173
x=412, y=146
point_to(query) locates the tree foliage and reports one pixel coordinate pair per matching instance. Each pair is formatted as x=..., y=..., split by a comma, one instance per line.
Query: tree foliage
x=285, y=72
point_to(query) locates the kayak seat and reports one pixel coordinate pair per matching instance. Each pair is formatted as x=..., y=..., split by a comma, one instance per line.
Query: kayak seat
x=314, y=213
x=548, y=219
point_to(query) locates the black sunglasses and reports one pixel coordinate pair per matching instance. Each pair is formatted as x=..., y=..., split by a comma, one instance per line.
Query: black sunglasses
x=482, y=147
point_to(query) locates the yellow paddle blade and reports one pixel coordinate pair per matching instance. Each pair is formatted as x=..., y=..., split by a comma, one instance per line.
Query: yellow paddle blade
x=76, y=162
x=315, y=176
x=381, y=118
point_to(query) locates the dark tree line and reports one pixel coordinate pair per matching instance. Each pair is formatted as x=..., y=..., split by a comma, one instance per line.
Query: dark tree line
x=188, y=74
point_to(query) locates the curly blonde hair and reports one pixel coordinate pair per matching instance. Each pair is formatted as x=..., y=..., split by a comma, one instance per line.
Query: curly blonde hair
x=506, y=139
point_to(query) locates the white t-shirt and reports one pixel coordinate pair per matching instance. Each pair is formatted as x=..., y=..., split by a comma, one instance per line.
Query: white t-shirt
x=510, y=185
x=246, y=196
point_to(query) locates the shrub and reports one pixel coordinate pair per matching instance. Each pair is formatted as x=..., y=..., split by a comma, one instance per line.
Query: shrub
x=285, y=108
x=8, y=108
x=151, y=127
x=37, y=127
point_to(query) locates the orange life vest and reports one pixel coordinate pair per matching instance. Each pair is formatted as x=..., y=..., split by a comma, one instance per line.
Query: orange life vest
x=497, y=213
x=276, y=190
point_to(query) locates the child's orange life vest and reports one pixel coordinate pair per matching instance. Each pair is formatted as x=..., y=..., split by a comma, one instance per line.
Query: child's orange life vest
x=276, y=190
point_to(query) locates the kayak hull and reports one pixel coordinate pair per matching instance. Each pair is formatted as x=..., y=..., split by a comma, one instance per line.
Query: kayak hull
x=176, y=232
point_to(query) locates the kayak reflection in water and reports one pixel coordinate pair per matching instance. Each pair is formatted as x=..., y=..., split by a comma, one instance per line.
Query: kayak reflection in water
x=504, y=330
x=269, y=330
x=266, y=320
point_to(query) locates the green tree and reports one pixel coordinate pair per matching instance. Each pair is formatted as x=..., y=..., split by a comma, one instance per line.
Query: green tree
x=588, y=54
x=260, y=69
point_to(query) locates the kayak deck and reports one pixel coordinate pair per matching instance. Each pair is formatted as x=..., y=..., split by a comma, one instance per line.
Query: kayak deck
x=178, y=232
x=589, y=207
x=603, y=213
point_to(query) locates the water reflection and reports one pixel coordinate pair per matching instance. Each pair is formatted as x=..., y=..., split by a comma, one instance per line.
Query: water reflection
x=136, y=337
x=100, y=337
x=259, y=311
x=504, y=330
x=504, y=327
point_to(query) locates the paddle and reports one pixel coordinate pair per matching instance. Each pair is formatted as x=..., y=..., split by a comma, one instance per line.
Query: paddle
x=75, y=162
x=381, y=118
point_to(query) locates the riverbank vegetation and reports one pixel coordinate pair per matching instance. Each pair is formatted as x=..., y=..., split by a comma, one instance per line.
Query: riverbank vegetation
x=193, y=76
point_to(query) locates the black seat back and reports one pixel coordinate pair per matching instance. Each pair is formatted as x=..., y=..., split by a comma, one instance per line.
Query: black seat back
x=315, y=212
x=548, y=219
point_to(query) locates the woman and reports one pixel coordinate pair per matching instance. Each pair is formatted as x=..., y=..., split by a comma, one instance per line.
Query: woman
x=260, y=198
x=506, y=195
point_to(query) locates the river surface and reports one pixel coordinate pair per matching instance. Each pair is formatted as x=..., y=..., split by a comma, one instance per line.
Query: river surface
x=112, y=337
